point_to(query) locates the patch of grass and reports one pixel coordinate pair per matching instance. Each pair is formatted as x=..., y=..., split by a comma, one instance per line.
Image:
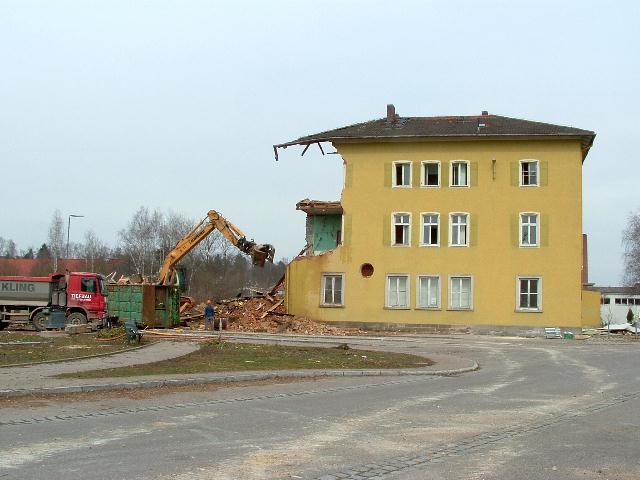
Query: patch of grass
x=26, y=347
x=217, y=356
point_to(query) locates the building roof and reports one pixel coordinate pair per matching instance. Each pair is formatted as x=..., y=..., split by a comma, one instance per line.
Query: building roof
x=635, y=290
x=319, y=207
x=394, y=128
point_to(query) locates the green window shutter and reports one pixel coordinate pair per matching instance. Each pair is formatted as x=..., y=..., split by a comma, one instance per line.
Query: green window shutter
x=544, y=230
x=415, y=181
x=544, y=173
x=473, y=167
x=444, y=172
x=348, y=176
x=346, y=234
x=514, y=168
x=515, y=229
x=387, y=174
x=473, y=226
x=386, y=230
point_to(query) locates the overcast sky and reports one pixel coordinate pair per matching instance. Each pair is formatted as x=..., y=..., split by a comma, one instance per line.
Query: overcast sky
x=107, y=106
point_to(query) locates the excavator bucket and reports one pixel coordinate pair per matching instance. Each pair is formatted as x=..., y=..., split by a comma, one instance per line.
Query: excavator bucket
x=262, y=253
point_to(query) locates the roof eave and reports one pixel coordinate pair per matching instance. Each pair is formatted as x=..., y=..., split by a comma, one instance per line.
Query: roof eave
x=586, y=140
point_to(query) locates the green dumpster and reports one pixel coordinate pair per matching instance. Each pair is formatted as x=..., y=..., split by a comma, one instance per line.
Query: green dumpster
x=154, y=306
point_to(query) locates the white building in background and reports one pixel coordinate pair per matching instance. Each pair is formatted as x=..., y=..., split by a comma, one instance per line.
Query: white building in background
x=615, y=303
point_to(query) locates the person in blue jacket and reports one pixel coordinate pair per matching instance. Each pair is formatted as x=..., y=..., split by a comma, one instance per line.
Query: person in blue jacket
x=208, y=316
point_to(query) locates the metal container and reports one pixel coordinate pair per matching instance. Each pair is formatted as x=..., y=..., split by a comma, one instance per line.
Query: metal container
x=147, y=305
x=28, y=291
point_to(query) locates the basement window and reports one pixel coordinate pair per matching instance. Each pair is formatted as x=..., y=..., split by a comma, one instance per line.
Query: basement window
x=402, y=174
x=332, y=290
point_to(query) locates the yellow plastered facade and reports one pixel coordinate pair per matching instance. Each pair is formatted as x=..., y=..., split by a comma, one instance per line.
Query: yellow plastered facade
x=493, y=259
x=591, y=309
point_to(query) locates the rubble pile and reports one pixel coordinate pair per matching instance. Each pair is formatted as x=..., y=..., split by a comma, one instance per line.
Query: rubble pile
x=263, y=314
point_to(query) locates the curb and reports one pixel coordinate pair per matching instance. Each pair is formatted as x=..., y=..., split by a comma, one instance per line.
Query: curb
x=60, y=360
x=221, y=378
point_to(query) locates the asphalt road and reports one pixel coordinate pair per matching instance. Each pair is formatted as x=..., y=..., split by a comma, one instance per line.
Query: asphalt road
x=537, y=409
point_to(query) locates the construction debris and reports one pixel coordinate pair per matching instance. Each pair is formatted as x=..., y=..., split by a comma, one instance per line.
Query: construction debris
x=619, y=327
x=265, y=314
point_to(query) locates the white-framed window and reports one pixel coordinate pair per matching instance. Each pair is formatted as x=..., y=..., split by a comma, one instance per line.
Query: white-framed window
x=529, y=229
x=430, y=231
x=401, y=229
x=461, y=292
x=428, y=291
x=529, y=293
x=459, y=229
x=430, y=173
x=529, y=173
x=459, y=175
x=401, y=174
x=332, y=294
x=397, y=294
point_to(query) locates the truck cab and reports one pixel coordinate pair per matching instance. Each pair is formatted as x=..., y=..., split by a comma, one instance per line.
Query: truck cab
x=86, y=294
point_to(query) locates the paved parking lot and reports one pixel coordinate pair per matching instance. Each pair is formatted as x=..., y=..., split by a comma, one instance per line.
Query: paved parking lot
x=535, y=409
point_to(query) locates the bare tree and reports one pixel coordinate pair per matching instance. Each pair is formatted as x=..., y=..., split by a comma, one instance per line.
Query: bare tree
x=631, y=255
x=139, y=239
x=93, y=249
x=172, y=227
x=56, y=238
x=11, y=249
x=8, y=248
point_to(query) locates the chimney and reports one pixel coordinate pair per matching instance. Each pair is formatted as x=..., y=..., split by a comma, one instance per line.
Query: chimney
x=391, y=113
x=485, y=113
x=585, y=260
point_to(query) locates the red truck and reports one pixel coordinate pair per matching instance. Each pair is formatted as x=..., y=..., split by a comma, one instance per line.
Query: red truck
x=28, y=300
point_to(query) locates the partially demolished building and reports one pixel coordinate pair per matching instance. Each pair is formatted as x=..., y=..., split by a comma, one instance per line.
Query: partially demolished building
x=461, y=220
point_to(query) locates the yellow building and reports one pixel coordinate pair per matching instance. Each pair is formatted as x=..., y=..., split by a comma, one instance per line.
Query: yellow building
x=447, y=221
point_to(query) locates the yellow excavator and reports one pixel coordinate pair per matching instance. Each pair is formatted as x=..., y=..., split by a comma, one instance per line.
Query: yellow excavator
x=259, y=253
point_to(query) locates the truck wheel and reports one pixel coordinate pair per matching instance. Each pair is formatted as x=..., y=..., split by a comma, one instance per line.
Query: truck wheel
x=40, y=321
x=76, y=318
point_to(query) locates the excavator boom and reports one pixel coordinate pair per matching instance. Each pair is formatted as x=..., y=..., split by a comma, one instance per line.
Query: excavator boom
x=259, y=253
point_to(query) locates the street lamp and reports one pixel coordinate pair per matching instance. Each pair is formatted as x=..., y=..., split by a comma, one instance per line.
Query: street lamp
x=68, y=228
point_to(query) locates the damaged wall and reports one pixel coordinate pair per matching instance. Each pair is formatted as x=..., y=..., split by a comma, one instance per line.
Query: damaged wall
x=326, y=232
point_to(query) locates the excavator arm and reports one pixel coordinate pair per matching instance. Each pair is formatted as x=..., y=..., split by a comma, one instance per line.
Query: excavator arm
x=213, y=221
